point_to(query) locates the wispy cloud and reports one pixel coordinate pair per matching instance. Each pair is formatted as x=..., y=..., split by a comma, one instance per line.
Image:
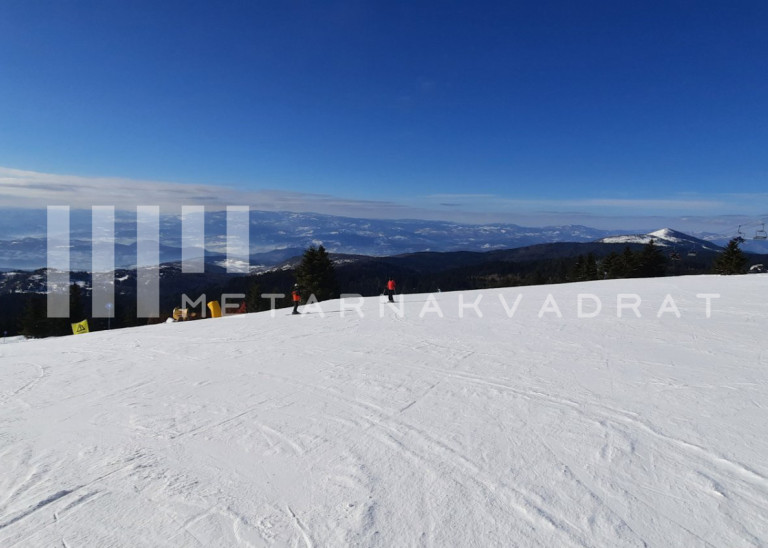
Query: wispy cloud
x=30, y=189
x=34, y=189
x=681, y=203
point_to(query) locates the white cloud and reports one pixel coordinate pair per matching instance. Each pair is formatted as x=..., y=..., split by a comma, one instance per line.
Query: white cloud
x=30, y=189
x=686, y=203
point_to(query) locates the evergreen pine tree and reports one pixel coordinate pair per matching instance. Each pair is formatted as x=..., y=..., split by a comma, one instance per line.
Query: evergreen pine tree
x=128, y=316
x=628, y=263
x=34, y=322
x=316, y=275
x=579, y=269
x=611, y=266
x=732, y=260
x=590, y=267
x=253, y=301
x=651, y=262
x=76, y=304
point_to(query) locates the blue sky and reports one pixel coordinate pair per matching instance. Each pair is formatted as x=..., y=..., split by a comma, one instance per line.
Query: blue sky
x=521, y=109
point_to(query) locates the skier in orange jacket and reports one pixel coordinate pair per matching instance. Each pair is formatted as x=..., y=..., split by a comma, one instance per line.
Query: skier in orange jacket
x=296, y=295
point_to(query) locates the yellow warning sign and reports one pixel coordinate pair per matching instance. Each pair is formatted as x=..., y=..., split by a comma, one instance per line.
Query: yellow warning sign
x=81, y=327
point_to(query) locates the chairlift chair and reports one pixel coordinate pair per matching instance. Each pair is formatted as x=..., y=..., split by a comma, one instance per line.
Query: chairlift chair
x=692, y=252
x=761, y=234
x=741, y=238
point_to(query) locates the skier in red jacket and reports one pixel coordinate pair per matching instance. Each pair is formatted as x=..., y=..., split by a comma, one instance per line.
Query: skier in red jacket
x=391, y=290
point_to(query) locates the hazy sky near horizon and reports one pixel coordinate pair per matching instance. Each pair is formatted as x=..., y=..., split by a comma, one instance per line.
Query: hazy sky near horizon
x=511, y=110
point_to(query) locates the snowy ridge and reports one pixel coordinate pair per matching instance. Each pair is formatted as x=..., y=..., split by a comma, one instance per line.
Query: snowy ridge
x=665, y=237
x=536, y=416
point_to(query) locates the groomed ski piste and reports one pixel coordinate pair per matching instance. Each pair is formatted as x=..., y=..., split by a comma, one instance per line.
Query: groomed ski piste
x=536, y=416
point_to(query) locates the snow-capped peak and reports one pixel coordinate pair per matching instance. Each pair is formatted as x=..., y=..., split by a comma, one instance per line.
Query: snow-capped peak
x=669, y=235
x=663, y=237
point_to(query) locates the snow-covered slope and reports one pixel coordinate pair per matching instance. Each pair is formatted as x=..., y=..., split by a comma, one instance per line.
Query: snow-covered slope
x=436, y=427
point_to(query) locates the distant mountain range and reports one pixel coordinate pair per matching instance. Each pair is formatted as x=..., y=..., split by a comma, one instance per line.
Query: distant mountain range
x=275, y=237
x=172, y=278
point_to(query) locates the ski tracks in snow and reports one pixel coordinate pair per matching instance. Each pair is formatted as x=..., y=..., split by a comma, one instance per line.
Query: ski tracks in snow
x=40, y=501
x=405, y=431
x=21, y=375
